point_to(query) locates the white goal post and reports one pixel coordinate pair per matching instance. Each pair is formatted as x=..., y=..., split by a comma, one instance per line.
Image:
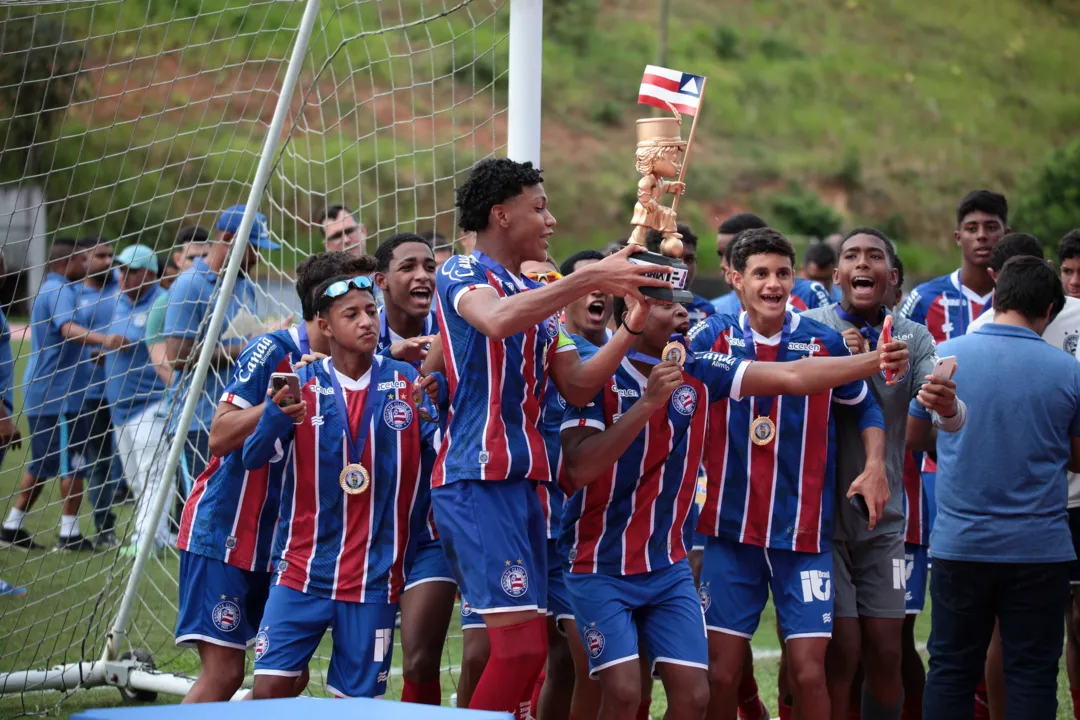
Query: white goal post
x=378, y=105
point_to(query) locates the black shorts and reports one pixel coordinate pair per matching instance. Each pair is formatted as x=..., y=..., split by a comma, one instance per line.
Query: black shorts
x=1074, y=528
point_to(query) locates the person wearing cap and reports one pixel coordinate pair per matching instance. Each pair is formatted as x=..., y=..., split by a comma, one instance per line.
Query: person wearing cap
x=191, y=301
x=133, y=389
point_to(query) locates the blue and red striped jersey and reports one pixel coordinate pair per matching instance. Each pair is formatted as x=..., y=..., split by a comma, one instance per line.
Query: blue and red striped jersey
x=945, y=306
x=630, y=520
x=231, y=513
x=778, y=495
x=496, y=386
x=342, y=546
x=808, y=294
x=917, y=511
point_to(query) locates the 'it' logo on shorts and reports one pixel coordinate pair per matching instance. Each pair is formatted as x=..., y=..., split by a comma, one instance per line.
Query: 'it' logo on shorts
x=515, y=581
x=815, y=585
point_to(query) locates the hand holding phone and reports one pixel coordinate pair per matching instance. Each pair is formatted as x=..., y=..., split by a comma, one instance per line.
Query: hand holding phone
x=886, y=338
x=944, y=368
x=284, y=391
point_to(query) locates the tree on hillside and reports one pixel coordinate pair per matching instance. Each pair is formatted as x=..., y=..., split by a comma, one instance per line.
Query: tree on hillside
x=1050, y=207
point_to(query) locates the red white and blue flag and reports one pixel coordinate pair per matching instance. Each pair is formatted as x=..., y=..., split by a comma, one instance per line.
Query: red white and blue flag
x=661, y=86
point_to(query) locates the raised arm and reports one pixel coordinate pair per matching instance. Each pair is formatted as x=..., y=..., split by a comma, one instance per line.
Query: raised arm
x=499, y=318
x=275, y=423
x=818, y=374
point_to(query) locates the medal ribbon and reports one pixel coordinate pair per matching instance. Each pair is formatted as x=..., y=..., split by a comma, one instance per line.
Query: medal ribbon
x=865, y=329
x=763, y=405
x=356, y=445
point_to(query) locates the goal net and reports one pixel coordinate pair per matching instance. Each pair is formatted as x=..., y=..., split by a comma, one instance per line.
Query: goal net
x=134, y=121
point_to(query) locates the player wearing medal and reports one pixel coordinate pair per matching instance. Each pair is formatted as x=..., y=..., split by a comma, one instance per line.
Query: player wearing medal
x=771, y=468
x=631, y=456
x=502, y=340
x=869, y=565
x=405, y=272
x=227, y=528
x=361, y=458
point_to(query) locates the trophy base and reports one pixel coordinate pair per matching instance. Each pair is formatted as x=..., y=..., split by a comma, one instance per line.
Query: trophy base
x=678, y=293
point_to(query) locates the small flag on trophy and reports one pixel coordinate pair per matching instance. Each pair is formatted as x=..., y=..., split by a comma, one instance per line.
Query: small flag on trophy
x=665, y=89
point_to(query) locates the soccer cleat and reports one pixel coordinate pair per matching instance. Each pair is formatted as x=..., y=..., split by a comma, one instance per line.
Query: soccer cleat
x=105, y=540
x=10, y=590
x=18, y=539
x=75, y=543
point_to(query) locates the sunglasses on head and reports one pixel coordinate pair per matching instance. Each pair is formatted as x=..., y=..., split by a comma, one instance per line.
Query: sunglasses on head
x=544, y=278
x=360, y=282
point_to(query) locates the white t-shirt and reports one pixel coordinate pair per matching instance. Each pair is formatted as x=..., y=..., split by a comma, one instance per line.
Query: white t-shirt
x=1063, y=333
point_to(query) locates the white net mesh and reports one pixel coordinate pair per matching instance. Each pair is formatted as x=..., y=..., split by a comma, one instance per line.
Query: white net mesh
x=130, y=120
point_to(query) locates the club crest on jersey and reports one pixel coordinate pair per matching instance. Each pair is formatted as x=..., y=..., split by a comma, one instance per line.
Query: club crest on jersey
x=684, y=400
x=560, y=400
x=551, y=327
x=594, y=642
x=226, y=616
x=515, y=581
x=705, y=595
x=397, y=414
x=466, y=609
x=1071, y=341
x=262, y=644
x=899, y=378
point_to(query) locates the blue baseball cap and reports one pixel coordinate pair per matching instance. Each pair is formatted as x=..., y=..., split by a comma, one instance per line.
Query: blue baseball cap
x=229, y=221
x=138, y=257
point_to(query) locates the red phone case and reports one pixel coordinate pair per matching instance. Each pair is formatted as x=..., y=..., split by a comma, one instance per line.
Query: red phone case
x=886, y=338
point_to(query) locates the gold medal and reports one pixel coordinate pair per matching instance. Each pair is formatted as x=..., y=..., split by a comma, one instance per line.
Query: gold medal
x=762, y=431
x=674, y=352
x=355, y=479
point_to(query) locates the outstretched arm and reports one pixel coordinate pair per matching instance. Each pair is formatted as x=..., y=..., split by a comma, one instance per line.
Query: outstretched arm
x=818, y=374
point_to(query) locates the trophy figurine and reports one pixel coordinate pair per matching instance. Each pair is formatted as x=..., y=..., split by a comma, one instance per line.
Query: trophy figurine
x=658, y=158
x=661, y=155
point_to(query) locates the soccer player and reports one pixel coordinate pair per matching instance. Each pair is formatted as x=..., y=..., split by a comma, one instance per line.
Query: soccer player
x=819, y=261
x=341, y=231
x=947, y=305
x=725, y=234
x=805, y=294
x=502, y=339
x=229, y=520
x=361, y=458
x=91, y=429
x=869, y=565
x=631, y=456
x=56, y=342
x=134, y=390
x=772, y=466
x=699, y=308
x=1069, y=263
x=190, y=301
x=405, y=272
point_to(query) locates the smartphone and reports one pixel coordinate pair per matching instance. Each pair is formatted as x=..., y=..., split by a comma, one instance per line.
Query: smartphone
x=859, y=503
x=886, y=338
x=944, y=368
x=286, y=380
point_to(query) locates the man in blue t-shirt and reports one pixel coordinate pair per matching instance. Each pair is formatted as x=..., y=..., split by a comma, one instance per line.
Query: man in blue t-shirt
x=133, y=388
x=1001, y=542
x=191, y=301
x=56, y=347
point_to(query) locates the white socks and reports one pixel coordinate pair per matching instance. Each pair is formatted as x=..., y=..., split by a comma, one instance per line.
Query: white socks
x=14, y=519
x=69, y=526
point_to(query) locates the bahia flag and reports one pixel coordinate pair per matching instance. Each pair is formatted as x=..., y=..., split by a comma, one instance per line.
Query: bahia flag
x=661, y=86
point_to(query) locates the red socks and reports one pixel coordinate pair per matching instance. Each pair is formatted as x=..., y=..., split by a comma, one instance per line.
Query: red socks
x=643, y=709
x=750, y=706
x=517, y=656
x=982, y=702
x=784, y=709
x=429, y=693
x=534, y=702
x=1075, y=693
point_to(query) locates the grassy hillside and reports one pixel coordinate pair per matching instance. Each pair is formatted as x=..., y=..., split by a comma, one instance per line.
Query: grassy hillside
x=887, y=109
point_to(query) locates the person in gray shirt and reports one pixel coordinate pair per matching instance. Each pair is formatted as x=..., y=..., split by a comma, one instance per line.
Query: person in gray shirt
x=869, y=569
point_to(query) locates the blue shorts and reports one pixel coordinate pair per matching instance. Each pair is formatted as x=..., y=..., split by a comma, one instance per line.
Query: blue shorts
x=660, y=605
x=428, y=565
x=49, y=443
x=735, y=583
x=219, y=604
x=470, y=619
x=363, y=633
x=558, y=597
x=494, y=537
x=918, y=571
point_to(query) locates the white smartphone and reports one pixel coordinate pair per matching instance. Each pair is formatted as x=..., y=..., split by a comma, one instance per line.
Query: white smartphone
x=944, y=368
x=289, y=380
